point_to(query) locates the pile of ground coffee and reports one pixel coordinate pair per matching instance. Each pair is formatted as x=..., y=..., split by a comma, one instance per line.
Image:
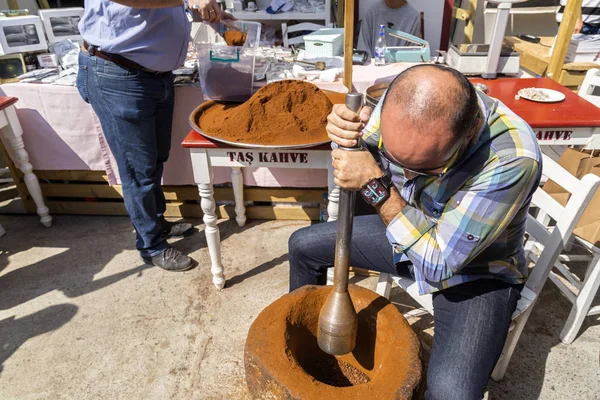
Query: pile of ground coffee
x=234, y=38
x=282, y=113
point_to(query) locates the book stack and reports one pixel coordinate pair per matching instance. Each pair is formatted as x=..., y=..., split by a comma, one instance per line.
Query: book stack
x=583, y=48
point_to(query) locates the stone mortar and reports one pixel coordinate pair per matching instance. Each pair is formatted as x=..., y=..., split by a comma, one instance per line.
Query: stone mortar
x=282, y=345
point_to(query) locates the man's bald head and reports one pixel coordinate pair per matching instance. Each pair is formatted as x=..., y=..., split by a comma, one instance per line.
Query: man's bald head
x=428, y=93
x=427, y=113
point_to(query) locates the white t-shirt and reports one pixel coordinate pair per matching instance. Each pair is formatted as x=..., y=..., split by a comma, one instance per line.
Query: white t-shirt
x=590, y=11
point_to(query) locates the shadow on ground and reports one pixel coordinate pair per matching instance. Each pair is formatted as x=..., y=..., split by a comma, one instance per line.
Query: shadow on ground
x=78, y=254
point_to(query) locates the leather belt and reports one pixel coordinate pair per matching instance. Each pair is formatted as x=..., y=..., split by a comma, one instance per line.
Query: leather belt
x=117, y=59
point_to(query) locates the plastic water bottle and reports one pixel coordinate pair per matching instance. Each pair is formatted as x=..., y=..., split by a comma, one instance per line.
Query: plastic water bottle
x=323, y=216
x=380, y=47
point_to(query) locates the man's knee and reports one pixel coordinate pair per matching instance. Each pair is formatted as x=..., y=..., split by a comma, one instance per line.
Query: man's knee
x=299, y=243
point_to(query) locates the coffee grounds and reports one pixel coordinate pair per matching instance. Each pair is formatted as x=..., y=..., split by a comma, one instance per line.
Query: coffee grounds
x=282, y=113
x=234, y=38
x=335, y=372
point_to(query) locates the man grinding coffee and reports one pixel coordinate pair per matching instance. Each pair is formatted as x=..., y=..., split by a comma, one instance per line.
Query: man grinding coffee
x=130, y=49
x=455, y=171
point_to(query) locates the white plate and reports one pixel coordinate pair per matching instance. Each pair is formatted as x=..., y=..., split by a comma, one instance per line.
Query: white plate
x=553, y=95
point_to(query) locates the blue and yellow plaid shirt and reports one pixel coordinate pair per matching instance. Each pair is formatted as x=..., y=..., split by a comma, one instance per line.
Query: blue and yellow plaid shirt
x=469, y=223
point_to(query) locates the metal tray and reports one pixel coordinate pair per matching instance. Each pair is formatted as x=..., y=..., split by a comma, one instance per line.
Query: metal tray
x=197, y=113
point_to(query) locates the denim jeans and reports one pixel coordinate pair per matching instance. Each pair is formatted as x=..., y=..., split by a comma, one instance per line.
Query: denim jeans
x=588, y=29
x=135, y=109
x=471, y=320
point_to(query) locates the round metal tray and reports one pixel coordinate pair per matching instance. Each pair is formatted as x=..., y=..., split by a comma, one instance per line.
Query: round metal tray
x=197, y=113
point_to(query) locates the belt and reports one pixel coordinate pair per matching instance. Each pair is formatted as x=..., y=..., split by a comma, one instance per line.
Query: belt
x=117, y=59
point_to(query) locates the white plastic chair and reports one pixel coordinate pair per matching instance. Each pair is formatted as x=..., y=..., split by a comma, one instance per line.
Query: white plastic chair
x=590, y=84
x=304, y=26
x=550, y=240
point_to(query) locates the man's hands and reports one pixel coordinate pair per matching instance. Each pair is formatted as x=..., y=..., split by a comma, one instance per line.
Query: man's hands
x=345, y=126
x=209, y=10
x=353, y=169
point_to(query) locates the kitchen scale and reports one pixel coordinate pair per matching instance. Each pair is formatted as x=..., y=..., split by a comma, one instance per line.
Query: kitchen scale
x=471, y=59
x=488, y=60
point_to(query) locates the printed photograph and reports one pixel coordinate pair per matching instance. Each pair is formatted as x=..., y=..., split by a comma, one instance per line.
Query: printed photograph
x=21, y=35
x=65, y=26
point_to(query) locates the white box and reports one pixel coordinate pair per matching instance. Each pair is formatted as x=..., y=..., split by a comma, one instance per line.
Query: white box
x=48, y=60
x=62, y=23
x=21, y=34
x=328, y=42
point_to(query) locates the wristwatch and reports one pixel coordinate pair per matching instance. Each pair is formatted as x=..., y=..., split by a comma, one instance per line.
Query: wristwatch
x=377, y=190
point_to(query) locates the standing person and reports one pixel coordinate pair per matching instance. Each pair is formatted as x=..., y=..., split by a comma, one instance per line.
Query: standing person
x=130, y=49
x=588, y=21
x=459, y=170
x=394, y=14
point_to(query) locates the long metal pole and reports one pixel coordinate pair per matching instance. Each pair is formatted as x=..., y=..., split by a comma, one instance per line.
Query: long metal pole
x=338, y=320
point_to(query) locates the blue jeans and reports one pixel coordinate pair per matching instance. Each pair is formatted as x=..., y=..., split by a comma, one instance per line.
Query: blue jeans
x=471, y=320
x=588, y=29
x=135, y=109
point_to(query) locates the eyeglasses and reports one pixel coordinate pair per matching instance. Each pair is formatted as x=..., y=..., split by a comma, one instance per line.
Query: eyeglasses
x=435, y=172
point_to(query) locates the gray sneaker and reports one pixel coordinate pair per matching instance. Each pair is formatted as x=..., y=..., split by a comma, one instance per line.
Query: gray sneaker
x=171, y=260
x=176, y=229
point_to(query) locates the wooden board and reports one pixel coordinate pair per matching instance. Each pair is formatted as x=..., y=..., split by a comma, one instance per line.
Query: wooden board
x=185, y=210
x=182, y=193
x=535, y=57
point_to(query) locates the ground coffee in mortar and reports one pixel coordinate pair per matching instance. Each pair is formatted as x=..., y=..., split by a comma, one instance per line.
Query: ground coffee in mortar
x=282, y=113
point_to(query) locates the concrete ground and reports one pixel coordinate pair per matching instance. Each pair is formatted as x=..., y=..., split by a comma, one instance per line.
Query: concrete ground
x=82, y=318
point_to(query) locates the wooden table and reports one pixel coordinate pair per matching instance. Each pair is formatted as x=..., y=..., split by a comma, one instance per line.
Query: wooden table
x=535, y=57
x=574, y=121
x=10, y=130
x=207, y=154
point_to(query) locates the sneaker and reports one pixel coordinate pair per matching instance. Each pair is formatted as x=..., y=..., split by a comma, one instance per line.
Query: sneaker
x=171, y=260
x=176, y=229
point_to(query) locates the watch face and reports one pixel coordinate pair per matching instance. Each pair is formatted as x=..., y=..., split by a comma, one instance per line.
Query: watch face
x=374, y=192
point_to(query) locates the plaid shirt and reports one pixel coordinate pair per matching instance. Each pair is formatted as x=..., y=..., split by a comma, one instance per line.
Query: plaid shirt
x=469, y=223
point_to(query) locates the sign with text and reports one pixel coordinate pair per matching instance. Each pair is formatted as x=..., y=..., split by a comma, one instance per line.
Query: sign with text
x=299, y=158
x=568, y=136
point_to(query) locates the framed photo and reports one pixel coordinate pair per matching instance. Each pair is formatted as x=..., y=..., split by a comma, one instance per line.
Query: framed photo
x=21, y=35
x=11, y=66
x=62, y=23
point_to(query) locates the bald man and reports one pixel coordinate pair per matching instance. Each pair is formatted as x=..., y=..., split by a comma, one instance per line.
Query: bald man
x=450, y=173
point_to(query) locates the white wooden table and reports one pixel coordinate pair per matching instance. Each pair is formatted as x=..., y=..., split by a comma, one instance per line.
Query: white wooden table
x=207, y=154
x=11, y=132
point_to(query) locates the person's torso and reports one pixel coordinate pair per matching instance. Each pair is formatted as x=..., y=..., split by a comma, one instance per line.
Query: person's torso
x=590, y=11
x=401, y=19
x=156, y=39
x=505, y=136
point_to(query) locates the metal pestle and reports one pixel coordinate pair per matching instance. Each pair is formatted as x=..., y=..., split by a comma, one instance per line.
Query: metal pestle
x=338, y=319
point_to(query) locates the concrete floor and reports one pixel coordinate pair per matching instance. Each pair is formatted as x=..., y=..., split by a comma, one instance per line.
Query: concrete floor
x=82, y=318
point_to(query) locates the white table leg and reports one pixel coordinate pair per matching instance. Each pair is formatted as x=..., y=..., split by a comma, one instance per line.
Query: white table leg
x=333, y=198
x=13, y=133
x=237, y=182
x=203, y=176
x=333, y=201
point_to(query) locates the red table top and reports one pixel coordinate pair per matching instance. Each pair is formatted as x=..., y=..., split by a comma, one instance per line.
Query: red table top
x=573, y=112
x=7, y=101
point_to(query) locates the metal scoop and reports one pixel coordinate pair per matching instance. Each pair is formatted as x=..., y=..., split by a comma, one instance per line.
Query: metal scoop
x=338, y=320
x=319, y=65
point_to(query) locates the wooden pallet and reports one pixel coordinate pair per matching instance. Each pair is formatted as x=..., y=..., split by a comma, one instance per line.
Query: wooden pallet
x=88, y=192
x=535, y=57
